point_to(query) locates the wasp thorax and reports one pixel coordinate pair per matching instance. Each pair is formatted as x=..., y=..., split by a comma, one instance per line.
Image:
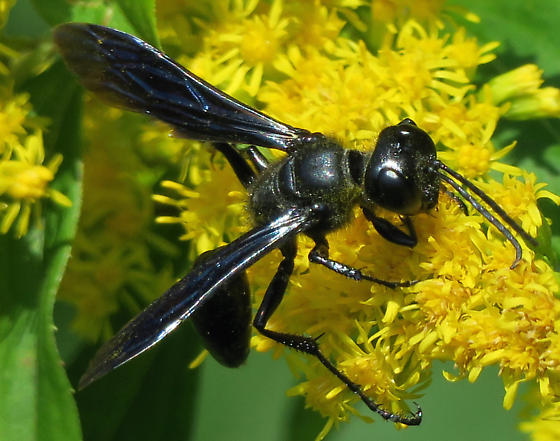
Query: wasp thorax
x=400, y=175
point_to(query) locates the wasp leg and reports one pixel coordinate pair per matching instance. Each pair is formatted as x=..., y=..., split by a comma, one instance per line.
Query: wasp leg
x=273, y=297
x=320, y=254
x=258, y=160
x=276, y=288
x=457, y=200
x=391, y=233
x=242, y=170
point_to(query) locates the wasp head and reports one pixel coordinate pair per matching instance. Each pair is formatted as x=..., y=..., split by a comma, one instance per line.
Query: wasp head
x=400, y=174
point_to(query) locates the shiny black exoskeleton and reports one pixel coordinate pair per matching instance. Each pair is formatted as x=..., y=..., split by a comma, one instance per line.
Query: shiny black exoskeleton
x=398, y=175
x=313, y=190
x=224, y=321
x=318, y=174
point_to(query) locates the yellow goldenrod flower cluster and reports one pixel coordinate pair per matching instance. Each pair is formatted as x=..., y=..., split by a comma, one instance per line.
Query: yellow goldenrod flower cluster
x=314, y=67
x=24, y=175
x=347, y=68
x=24, y=178
x=521, y=89
x=111, y=263
x=205, y=229
x=545, y=426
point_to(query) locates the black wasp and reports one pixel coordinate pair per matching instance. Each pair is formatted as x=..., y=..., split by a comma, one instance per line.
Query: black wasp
x=312, y=190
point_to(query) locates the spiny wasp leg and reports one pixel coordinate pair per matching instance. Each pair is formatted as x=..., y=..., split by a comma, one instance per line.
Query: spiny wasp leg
x=390, y=232
x=320, y=254
x=245, y=174
x=272, y=298
x=413, y=420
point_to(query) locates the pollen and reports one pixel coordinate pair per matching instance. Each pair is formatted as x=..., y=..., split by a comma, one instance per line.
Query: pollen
x=472, y=160
x=260, y=43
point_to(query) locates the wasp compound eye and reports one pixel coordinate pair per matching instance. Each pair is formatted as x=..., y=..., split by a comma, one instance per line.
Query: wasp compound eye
x=393, y=190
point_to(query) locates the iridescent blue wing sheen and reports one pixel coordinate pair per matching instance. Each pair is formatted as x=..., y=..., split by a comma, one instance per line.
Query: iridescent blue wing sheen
x=186, y=296
x=129, y=73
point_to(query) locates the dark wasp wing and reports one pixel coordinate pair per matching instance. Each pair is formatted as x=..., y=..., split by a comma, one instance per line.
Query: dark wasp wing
x=182, y=299
x=129, y=73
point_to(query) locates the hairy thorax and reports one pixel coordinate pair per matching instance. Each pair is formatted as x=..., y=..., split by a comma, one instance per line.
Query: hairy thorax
x=316, y=174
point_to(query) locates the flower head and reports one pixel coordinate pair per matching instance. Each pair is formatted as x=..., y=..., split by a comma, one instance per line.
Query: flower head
x=25, y=178
x=520, y=88
x=470, y=306
x=24, y=181
x=111, y=264
x=305, y=66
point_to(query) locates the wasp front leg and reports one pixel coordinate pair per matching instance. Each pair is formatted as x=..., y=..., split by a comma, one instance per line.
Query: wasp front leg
x=320, y=254
x=392, y=233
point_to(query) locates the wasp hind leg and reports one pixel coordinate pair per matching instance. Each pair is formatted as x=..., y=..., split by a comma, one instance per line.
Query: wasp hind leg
x=238, y=163
x=273, y=297
x=241, y=168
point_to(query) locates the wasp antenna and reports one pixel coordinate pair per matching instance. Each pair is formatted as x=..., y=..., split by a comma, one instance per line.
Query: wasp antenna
x=487, y=215
x=491, y=203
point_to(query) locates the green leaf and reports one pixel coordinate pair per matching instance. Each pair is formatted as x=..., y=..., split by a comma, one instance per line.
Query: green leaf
x=302, y=423
x=152, y=397
x=36, y=395
x=53, y=11
x=527, y=30
x=133, y=16
x=142, y=16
